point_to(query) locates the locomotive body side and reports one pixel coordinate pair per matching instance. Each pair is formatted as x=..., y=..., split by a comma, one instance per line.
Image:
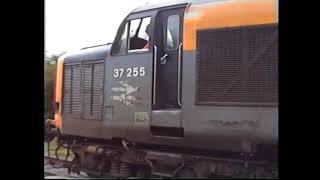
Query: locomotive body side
x=97, y=102
x=187, y=89
x=235, y=117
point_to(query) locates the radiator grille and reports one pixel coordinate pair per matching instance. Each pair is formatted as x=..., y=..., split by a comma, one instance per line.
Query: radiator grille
x=83, y=90
x=93, y=91
x=237, y=65
x=72, y=88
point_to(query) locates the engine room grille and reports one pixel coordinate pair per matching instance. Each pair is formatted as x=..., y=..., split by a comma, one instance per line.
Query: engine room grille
x=72, y=88
x=92, y=91
x=83, y=90
x=237, y=65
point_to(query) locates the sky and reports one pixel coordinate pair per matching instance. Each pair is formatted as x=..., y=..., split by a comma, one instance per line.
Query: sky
x=74, y=24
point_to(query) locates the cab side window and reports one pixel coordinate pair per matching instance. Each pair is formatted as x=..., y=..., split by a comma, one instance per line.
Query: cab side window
x=173, y=30
x=139, y=34
x=137, y=39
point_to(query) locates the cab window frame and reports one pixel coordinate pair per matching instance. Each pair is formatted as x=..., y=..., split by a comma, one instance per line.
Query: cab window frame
x=137, y=32
x=121, y=29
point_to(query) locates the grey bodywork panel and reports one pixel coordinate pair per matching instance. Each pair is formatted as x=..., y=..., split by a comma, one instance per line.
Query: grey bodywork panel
x=255, y=123
x=96, y=53
x=215, y=127
x=128, y=97
x=166, y=118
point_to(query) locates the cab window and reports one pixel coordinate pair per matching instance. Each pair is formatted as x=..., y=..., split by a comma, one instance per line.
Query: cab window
x=139, y=34
x=173, y=31
x=137, y=39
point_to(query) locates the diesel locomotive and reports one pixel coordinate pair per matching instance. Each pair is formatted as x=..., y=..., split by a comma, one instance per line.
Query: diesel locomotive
x=187, y=88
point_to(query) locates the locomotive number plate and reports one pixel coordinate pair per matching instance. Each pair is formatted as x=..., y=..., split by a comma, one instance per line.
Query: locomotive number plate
x=129, y=72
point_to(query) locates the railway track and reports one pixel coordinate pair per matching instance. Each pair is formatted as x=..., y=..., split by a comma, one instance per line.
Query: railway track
x=66, y=168
x=57, y=168
x=52, y=160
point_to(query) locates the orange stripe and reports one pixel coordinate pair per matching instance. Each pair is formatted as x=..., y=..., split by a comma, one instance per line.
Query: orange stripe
x=58, y=94
x=226, y=14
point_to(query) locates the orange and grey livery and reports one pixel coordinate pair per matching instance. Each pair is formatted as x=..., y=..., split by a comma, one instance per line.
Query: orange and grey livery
x=206, y=84
x=226, y=13
x=200, y=15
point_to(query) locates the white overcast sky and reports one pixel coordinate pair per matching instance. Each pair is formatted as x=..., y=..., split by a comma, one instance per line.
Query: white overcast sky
x=73, y=24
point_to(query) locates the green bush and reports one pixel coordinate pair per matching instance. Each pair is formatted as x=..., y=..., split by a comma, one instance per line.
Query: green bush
x=50, y=66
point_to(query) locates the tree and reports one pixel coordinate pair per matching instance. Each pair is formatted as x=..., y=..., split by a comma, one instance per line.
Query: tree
x=50, y=66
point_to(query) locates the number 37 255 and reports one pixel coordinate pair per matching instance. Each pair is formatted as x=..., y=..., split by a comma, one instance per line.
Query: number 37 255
x=129, y=72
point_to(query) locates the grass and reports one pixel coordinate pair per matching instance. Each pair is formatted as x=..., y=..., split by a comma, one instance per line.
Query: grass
x=62, y=152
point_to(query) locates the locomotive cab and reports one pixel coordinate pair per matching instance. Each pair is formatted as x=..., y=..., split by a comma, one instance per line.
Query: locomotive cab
x=145, y=65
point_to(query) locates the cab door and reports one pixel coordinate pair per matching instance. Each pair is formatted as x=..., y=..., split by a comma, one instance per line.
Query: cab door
x=129, y=78
x=166, y=115
x=168, y=42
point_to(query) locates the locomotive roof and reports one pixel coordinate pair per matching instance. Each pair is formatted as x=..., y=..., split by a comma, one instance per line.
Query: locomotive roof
x=89, y=53
x=171, y=3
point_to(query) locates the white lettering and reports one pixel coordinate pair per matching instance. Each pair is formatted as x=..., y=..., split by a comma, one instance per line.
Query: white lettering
x=130, y=72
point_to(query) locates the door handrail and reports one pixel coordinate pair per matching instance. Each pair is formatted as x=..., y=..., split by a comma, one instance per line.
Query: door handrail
x=154, y=74
x=179, y=73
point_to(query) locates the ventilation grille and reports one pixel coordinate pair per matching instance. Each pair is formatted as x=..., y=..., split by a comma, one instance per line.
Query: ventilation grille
x=238, y=66
x=92, y=91
x=83, y=90
x=72, y=88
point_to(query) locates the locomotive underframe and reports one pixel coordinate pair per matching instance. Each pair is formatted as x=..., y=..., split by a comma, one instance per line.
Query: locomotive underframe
x=120, y=158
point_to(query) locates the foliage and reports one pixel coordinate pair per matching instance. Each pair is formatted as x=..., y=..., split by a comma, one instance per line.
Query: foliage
x=50, y=65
